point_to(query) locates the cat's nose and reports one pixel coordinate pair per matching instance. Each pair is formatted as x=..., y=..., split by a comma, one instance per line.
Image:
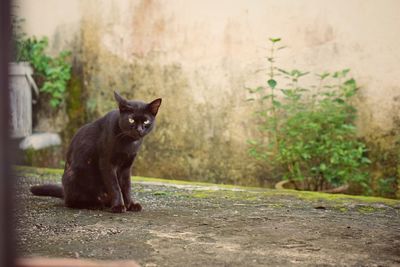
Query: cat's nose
x=140, y=130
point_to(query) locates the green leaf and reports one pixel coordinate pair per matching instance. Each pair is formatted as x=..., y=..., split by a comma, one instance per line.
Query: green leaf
x=251, y=91
x=366, y=160
x=322, y=167
x=323, y=75
x=341, y=74
x=350, y=82
x=283, y=71
x=259, y=89
x=345, y=71
x=266, y=97
x=54, y=102
x=277, y=103
x=274, y=40
x=272, y=83
x=252, y=142
x=297, y=74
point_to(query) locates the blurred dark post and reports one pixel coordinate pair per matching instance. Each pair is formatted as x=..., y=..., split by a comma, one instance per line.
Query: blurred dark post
x=7, y=248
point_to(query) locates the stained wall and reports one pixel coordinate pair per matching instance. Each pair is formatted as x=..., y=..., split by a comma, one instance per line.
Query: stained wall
x=199, y=56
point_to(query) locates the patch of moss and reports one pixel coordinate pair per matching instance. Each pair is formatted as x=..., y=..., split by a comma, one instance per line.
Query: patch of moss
x=74, y=108
x=191, y=183
x=233, y=192
x=201, y=194
x=43, y=157
x=35, y=170
x=367, y=209
x=161, y=193
x=339, y=198
x=341, y=208
x=276, y=206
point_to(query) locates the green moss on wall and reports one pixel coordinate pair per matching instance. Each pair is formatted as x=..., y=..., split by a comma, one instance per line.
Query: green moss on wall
x=384, y=152
x=75, y=106
x=47, y=157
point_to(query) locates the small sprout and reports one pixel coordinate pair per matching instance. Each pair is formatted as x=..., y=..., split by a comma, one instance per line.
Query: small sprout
x=274, y=40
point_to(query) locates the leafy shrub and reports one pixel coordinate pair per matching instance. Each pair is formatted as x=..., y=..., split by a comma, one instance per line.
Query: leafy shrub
x=50, y=73
x=309, y=132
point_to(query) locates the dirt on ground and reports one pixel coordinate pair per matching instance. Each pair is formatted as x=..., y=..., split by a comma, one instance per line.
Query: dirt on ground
x=207, y=225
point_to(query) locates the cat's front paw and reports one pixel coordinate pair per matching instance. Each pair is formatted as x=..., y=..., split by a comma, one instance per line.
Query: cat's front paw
x=135, y=207
x=118, y=209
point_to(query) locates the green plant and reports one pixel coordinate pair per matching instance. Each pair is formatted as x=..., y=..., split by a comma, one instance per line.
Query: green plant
x=50, y=73
x=387, y=187
x=309, y=132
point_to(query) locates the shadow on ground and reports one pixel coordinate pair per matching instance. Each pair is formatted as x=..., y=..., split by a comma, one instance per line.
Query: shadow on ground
x=206, y=225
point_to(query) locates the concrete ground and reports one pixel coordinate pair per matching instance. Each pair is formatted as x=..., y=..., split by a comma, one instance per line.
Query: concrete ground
x=186, y=224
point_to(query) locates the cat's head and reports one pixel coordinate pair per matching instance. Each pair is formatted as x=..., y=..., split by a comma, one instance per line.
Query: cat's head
x=136, y=118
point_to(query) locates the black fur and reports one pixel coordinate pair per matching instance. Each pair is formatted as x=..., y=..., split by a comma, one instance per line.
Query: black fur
x=99, y=159
x=51, y=190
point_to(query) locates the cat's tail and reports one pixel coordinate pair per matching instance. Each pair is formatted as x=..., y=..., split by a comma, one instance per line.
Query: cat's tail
x=48, y=190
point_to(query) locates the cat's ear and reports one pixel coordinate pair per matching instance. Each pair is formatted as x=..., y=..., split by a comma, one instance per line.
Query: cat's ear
x=154, y=105
x=122, y=103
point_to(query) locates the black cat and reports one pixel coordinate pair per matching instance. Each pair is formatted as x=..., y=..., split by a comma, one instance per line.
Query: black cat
x=99, y=159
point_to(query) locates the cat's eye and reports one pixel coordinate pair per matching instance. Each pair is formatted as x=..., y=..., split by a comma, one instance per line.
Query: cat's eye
x=146, y=122
x=131, y=121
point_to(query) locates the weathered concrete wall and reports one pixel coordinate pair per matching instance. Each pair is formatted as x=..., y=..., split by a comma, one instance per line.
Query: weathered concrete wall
x=200, y=55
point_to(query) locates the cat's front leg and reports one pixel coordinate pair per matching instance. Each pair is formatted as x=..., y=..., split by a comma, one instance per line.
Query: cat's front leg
x=110, y=179
x=125, y=184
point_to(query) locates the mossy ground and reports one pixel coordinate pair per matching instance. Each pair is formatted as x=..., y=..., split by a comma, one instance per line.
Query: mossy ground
x=200, y=224
x=207, y=190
